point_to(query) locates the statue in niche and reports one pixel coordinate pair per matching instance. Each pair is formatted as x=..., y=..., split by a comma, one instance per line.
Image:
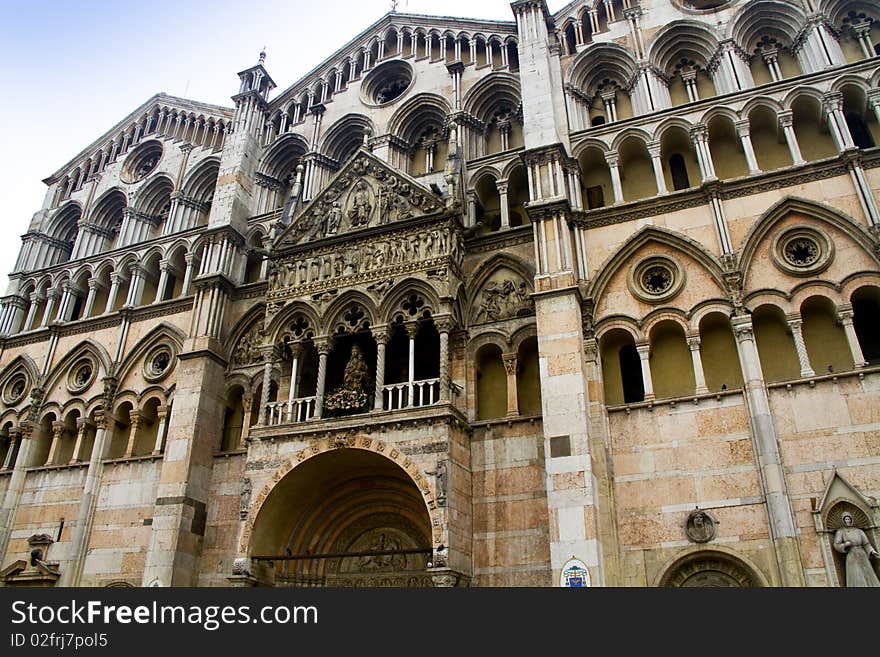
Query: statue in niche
x=852, y=542
x=357, y=374
x=361, y=205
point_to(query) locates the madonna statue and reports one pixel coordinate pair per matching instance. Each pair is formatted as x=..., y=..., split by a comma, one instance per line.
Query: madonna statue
x=357, y=375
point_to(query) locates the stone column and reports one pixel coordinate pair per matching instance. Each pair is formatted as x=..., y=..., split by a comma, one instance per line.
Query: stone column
x=786, y=122
x=268, y=359
x=94, y=284
x=862, y=32
x=699, y=376
x=644, y=350
x=83, y=426
x=136, y=288
x=783, y=530
x=502, y=186
x=191, y=262
x=136, y=417
x=51, y=299
x=162, y=413
x=743, y=131
x=654, y=150
x=795, y=323
x=700, y=141
x=324, y=346
x=296, y=351
x=14, y=435
x=15, y=486
x=116, y=280
x=444, y=327
x=380, y=334
x=247, y=405
x=57, y=432
x=512, y=397
x=845, y=316
x=412, y=330
x=36, y=298
x=874, y=102
x=832, y=106
x=613, y=160
x=165, y=269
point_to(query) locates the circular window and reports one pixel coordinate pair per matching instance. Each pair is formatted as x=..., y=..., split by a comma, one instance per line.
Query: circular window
x=802, y=251
x=81, y=375
x=142, y=162
x=655, y=279
x=386, y=83
x=158, y=363
x=15, y=388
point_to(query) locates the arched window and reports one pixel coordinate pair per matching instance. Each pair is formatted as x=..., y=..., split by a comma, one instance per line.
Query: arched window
x=631, y=374
x=861, y=136
x=678, y=168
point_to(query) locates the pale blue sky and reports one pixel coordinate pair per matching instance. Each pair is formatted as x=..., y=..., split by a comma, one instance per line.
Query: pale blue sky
x=73, y=69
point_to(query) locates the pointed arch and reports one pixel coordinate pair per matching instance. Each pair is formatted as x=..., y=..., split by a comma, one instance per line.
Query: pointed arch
x=335, y=310
x=276, y=328
x=484, y=272
x=163, y=333
x=812, y=209
x=244, y=325
x=87, y=347
x=396, y=296
x=663, y=236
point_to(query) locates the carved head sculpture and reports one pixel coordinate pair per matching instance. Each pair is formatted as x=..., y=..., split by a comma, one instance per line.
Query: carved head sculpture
x=847, y=518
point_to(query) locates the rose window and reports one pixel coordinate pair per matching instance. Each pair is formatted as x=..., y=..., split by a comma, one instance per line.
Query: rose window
x=657, y=279
x=802, y=252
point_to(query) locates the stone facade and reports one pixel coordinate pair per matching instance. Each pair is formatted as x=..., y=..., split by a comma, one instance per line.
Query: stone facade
x=470, y=303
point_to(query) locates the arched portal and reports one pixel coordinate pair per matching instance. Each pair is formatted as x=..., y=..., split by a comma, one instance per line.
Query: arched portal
x=710, y=569
x=345, y=518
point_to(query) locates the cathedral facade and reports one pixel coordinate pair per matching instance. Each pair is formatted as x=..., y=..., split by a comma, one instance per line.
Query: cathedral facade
x=584, y=298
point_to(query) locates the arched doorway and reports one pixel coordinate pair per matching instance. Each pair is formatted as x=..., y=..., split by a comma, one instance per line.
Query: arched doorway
x=345, y=518
x=710, y=569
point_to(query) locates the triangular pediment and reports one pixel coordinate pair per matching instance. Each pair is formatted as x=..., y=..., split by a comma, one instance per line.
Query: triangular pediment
x=366, y=192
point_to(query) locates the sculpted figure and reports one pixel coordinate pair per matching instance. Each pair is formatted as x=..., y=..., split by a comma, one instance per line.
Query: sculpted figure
x=361, y=206
x=334, y=218
x=357, y=374
x=852, y=542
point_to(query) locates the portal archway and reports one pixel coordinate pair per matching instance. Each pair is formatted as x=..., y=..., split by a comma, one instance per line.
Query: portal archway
x=710, y=569
x=345, y=518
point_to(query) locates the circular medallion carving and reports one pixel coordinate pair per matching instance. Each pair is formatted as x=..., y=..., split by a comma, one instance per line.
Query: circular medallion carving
x=802, y=251
x=158, y=363
x=82, y=374
x=700, y=527
x=656, y=279
x=15, y=388
x=386, y=83
x=142, y=162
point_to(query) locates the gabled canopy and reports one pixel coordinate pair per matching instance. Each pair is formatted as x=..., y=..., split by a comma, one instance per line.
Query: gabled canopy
x=366, y=192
